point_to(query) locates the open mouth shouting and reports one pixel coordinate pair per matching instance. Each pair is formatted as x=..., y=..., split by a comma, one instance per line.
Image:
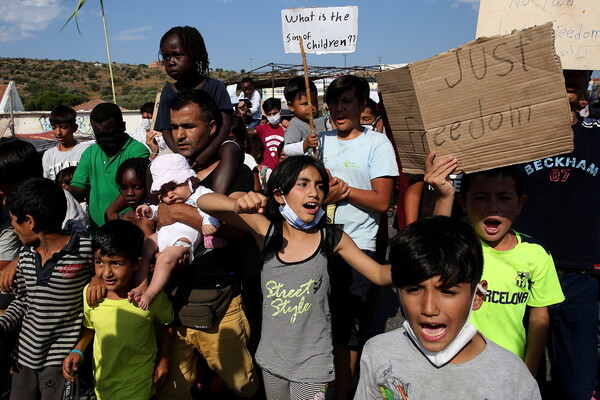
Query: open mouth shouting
x=492, y=226
x=311, y=208
x=432, y=332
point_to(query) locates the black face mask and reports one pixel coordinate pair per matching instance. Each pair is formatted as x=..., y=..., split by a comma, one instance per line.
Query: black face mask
x=110, y=144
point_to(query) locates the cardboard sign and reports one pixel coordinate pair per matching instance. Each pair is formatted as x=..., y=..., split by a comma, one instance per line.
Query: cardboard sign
x=492, y=102
x=576, y=25
x=323, y=29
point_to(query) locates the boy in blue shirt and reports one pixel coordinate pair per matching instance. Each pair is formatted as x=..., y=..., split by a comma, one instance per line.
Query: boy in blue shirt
x=364, y=160
x=125, y=362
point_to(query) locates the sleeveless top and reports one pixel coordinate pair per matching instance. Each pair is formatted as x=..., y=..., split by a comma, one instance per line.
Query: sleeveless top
x=295, y=342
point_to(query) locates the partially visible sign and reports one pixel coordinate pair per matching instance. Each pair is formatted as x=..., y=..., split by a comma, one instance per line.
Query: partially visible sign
x=492, y=102
x=576, y=25
x=323, y=29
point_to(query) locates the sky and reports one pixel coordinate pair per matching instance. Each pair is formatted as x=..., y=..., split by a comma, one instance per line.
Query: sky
x=239, y=34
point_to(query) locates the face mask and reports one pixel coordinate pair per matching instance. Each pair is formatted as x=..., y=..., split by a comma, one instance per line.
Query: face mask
x=290, y=216
x=110, y=144
x=274, y=119
x=146, y=123
x=464, y=336
x=369, y=126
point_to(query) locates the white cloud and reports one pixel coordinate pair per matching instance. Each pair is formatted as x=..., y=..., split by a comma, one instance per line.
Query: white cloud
x=132, y=34
x=474, y=3
x=19, y=19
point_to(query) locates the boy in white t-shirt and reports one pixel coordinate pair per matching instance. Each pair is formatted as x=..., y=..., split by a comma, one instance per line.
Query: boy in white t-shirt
x=68, y=151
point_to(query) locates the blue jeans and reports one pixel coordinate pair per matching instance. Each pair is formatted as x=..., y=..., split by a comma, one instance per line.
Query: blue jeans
x=572, y=335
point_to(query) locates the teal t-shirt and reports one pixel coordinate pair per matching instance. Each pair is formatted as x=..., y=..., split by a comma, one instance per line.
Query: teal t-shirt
x=125, y=346
x=357, y=161
x=520, y=277
x=96, y=173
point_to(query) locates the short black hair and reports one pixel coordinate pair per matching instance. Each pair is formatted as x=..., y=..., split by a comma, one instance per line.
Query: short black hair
x=105, y=111
x=147, y=108
x=271, y=104
x=247, y=79
x=208, y=108
x=62, y=115
x=296, y=87
x=283, y=178
x=513, y=172
x=193, y=42
x=119, y=238
x=65, y=175
x=18, y=161
x=372, y=105
x=138, y=165
x=358, y=85
x=436, y=246
x=41, y=198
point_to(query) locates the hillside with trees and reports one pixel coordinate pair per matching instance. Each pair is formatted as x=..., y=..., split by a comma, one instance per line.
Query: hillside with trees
x=42, y=84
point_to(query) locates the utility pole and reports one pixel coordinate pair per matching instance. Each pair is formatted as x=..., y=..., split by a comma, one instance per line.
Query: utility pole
x=345, y=55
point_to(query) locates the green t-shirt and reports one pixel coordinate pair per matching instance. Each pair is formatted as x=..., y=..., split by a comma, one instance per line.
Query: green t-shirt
x=96, y=173
x=520, y=277
x=125, y=346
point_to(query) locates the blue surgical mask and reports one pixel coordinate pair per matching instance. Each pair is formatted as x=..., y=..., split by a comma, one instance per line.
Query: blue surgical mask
x=442, y=357
x=290, y=216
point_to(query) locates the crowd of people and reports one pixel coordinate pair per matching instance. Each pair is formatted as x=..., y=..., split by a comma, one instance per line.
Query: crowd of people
x=227, y=252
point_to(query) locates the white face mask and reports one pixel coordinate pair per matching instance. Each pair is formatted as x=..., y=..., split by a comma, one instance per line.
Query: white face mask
x=467, y=332
x=146, y=123
x=292, y=218
x=274, y=119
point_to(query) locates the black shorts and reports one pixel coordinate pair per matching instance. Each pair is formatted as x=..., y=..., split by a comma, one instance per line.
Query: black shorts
x=348, y=302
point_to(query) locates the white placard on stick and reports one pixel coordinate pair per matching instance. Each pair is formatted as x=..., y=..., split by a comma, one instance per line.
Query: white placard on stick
x=576, y=25
x=323, y=29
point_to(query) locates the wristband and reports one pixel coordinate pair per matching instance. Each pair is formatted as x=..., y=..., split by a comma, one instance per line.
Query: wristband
x=78, y=352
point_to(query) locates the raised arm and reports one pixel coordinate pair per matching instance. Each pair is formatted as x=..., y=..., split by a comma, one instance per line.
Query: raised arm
x=243, y=213
x=378, y=274
x=437, y=174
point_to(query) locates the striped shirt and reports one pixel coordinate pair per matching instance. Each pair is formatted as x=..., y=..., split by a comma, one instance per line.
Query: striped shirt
x=48, y=303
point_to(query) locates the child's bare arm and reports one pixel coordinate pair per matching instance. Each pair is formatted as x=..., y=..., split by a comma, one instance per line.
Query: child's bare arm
x=377, y=199
x=7, y=275
x=224, y=175
x=537, y=331
x=206, y=156
x=437, y=174
x=378, y=274
x=113, y=210
x=242, y=213
x=74, y=359
x=412, y=201
x=162, y=369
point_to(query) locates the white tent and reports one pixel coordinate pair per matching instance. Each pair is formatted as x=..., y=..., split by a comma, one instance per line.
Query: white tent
x=10, y=95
